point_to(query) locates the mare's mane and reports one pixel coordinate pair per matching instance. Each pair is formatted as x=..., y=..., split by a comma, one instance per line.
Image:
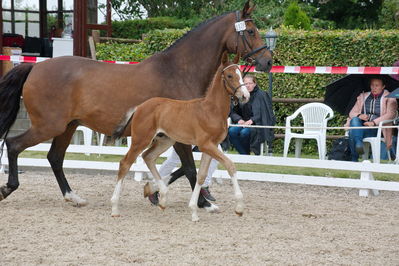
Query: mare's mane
x=195, y=29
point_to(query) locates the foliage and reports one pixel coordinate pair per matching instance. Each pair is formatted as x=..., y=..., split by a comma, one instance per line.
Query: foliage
x=122, y=52
x=389, y=16
x=348, y=14
x=294, y=16
x=294, y=48
x=134, y=29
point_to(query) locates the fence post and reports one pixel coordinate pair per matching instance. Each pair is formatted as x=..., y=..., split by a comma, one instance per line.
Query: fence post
x=139, y=175
x=3, y=158
x=367, y=176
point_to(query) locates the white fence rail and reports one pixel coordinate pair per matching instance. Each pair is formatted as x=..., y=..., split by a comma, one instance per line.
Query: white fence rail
x=365, y=182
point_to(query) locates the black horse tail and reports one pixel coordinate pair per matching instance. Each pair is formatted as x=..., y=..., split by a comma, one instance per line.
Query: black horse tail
x=121, y=127
x=10, y=94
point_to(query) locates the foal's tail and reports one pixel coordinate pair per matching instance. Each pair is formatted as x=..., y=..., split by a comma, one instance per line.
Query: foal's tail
x=121, y=127
x=10, y=94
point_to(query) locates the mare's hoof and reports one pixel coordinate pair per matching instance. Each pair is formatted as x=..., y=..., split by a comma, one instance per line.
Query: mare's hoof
x=115, y=215
x=75, y=199
x=162, y=207
x=4, y=192
x=213, y=208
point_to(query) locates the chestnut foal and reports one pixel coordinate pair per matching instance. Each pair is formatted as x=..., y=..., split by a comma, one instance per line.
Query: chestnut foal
x=159, y=122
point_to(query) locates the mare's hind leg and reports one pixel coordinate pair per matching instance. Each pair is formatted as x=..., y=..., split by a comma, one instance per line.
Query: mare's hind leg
x=213, y=151
x=15, y=145
x=188, y=165
x=203, y=171
x=135, y=149
x=160, y=145
x=56, y=158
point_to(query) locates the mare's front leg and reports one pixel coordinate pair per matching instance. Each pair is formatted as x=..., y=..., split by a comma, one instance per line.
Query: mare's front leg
x=203, y=171
x=159, y=145
x=56, y=157
x=213, y=151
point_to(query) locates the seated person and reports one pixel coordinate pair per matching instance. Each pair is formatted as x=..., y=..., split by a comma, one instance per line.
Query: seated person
x=258, y=111
x=369, y=110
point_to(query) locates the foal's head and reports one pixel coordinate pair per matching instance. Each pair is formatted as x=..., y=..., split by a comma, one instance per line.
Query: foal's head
x=232, y=79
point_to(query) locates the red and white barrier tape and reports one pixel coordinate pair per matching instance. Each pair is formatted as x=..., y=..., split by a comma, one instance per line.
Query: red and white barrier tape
x=275, y=69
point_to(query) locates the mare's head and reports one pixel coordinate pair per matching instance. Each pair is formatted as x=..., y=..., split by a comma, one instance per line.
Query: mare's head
x=247, y=42
x=232, y=79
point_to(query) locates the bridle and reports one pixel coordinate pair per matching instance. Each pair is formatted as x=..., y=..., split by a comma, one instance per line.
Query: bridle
x=230, y=88
x=241, y=29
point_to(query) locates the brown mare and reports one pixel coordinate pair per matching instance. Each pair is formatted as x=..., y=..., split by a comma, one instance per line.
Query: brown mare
x=159, y=122
x=64, y=92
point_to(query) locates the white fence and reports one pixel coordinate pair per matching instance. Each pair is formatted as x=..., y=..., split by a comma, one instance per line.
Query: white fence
x=365, y=183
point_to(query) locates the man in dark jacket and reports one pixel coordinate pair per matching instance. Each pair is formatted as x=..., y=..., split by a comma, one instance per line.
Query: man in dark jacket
x=258, y=111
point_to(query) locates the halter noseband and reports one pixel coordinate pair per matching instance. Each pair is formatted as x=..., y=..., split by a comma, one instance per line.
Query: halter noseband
x=248, y=55
x=228, y=85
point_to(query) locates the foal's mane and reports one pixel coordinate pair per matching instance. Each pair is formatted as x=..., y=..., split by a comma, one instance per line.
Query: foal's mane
x=195, y=29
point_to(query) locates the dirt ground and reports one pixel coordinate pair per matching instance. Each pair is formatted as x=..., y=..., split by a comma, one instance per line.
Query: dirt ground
x=283, y=224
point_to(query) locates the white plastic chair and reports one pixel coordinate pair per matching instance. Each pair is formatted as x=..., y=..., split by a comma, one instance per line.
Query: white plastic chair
x=87, y=136
x=315, y=117
x=375, y=144
x=118, y=142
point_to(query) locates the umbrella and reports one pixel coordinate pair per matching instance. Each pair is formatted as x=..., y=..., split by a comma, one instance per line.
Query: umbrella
x=394, y=94
x=341, y=94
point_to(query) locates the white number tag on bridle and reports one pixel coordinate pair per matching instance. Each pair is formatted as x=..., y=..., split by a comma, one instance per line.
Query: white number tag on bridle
x=240, y=26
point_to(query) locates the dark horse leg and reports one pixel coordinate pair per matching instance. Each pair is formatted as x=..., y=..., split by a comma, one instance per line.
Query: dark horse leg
x=15, y=145
x=188, y=169
x=56, y=158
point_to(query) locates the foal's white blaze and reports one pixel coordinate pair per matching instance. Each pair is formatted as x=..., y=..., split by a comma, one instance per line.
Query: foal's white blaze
x=243, y=88
x=71, y=196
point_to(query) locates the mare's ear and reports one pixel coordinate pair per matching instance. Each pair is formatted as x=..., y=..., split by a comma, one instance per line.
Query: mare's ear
x=236, y=58
x=247, y=10
x=225, y=57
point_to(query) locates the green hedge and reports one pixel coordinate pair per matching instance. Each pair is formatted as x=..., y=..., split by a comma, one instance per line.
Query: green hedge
x=294, y=48
x=134, y=29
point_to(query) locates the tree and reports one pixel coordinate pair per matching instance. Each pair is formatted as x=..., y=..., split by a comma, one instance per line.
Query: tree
x=348, y=14
x=294, y=16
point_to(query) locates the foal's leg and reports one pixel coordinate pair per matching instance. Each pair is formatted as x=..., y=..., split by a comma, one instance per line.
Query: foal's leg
x=56, y=158
x=159, y=146
x=202, y=173
x=134, y=151
x=188, y=167
x=213, y=151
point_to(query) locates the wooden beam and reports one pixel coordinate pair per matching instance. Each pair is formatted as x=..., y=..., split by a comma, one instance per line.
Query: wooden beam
x=43, y=18
x=1, y=36
x=298, y=100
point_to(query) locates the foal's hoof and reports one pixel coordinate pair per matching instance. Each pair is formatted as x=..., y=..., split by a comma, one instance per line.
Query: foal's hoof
x=115, y=215
x=162, y=207
x=238, y=213
x=154, y=198
x=147, y=190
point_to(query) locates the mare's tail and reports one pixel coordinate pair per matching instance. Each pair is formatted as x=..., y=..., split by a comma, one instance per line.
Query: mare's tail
x=10, y=94
x=121, y=127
